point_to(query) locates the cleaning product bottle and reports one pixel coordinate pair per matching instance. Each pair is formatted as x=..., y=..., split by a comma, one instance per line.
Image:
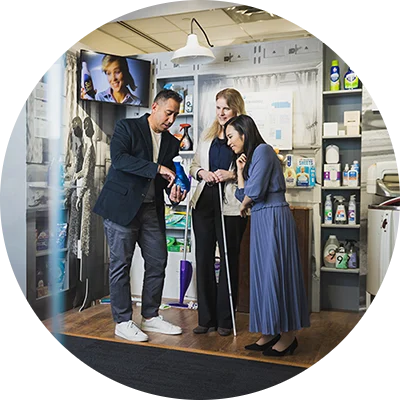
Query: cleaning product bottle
x=186, y=141
x=352, y=210
x=356, y=166
x=353, y=176
x=181, y=178
x=341, y=258
x=335, y=75
x=290, y=173
x=330, y=249
x=340, y=214
x=86, y=81
x=328, y=210
x=350, y=80
x=345, y=180
x=352, y=262
x=313, y=177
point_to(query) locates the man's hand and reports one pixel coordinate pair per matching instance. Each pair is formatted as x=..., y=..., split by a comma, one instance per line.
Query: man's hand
x=167, y=174
x=176, y=195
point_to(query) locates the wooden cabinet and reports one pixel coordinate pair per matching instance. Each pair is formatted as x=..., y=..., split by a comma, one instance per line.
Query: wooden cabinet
x=302, y=217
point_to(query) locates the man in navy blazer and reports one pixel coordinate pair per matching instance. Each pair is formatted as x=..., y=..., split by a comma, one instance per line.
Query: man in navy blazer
x=132, y=206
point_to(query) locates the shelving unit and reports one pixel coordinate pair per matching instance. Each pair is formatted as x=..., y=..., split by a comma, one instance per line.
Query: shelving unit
x=340, y=288
x=187, y=85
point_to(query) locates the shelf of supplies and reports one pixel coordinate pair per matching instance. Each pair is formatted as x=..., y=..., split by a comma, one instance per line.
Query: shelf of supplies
x=346, y=271
x=341, y=187
x=299, y=187
x=41, y=253
x=342, y=92
x=346, y=226
x=341, y=137
x=184, y=115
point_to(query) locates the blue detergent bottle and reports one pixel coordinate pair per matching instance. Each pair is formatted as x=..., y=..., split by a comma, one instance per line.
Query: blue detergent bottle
x=181, y=178
x=335, y=75
x=350, y=80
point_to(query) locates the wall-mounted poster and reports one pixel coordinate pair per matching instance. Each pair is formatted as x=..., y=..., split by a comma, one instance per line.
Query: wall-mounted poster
x=272, y=112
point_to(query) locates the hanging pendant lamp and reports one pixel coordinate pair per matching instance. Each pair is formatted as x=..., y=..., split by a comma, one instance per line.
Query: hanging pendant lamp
x=193, y=53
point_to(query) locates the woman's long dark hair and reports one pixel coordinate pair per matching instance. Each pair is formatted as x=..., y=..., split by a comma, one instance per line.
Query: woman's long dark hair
x=246, y=128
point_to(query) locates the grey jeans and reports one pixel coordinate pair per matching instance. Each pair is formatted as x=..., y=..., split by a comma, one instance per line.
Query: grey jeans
x=147, y=232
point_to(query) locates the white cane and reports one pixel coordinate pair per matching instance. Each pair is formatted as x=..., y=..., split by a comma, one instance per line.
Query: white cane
x=226, y=260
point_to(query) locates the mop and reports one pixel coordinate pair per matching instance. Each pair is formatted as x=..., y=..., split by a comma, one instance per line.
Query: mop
x=186, y=269
x=226, y=259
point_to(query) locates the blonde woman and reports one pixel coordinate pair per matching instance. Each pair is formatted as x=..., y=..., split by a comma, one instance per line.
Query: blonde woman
x=212, y=165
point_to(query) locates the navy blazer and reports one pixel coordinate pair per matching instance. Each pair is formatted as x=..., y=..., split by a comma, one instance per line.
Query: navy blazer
x=132, y=169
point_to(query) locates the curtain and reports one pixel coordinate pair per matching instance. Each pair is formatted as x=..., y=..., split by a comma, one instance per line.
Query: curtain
x=303, y=84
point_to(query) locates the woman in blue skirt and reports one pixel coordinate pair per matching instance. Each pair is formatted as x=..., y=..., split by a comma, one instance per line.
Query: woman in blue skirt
x=278, y=303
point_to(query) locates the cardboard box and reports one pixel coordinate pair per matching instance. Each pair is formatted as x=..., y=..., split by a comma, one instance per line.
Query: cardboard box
x=352, y=130
x=331, y=128
x=352, y=118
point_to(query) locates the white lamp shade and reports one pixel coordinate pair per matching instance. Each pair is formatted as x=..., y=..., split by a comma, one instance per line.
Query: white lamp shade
x=192, y=53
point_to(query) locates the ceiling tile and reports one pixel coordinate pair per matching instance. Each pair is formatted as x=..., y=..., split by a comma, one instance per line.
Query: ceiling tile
x=102, y=42
x=205, y=18
x=116, y=30
x=223, y=32
x=153, y=25
x=137, y=41
x=171, y=38
x=269, y=27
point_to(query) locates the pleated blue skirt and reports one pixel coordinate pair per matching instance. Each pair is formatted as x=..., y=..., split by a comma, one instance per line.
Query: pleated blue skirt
x=278, y=300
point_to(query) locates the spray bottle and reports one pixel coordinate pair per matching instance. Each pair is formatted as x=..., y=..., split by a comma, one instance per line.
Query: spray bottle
x=328, y=210
x=290, y=173
x=340, y=214
x=181, y=178
x=352, y=210
x=330, y=249
x=186, y=141
x=352, y=252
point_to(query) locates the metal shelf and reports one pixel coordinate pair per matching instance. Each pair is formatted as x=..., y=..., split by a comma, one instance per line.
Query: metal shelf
x=340, y=137
x=345, y=271
x=341, y=188
x=339, y=226
x=342, y=92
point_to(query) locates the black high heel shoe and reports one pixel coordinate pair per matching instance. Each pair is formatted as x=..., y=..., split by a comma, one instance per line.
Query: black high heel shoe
x=275, y=353
x=262, y=347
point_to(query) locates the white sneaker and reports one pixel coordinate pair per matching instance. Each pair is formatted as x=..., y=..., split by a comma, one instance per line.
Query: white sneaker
x=129, y=330
x=157, y=324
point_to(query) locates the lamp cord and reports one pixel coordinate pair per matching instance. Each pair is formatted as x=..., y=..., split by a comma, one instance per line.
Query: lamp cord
x=204, y=33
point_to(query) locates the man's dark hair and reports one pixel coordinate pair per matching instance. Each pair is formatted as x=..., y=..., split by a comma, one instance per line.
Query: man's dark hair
x=167, y=94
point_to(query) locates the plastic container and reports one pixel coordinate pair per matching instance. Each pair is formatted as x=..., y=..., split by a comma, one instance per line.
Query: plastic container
x=332, y=154
x=345, y=179
x=330, y=249
x=350, y=80
x=290, y=173
x=341, y=258
x=186, y=141
x=340, y=214
x=352, y=210
x=353, y=177
x=328, y=210
x=335, y=76
x=181, y=178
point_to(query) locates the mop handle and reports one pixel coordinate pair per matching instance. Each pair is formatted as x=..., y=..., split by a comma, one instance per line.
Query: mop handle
x=187, y=220
x=226, y=259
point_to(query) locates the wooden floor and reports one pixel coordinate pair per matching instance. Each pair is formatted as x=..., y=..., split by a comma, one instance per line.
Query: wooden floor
x=328, y=329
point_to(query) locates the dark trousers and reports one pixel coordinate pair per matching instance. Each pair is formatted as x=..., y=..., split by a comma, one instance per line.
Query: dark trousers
x=213, y=299
x=145, y=230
